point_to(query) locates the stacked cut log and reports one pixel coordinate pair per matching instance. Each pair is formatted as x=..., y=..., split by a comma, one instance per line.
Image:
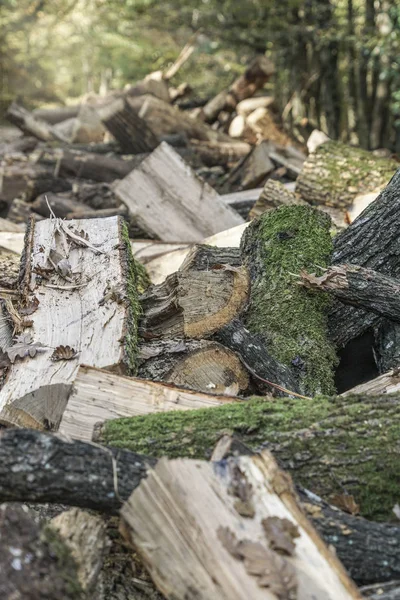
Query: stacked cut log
x=118, y=391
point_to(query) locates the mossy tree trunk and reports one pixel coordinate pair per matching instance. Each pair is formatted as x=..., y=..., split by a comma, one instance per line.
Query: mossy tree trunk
x=331, y=446
x=293, y=321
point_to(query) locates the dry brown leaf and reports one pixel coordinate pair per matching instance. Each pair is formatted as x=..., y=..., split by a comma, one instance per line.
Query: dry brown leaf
x=24, y=346
x=280, y=534
x=63, y=353
x=229, y=541
x=243, y=490
x=347, y=503
x=30, y=307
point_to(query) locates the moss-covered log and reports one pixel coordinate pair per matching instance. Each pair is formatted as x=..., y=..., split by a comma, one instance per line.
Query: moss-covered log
x=275, y=248
x=329, y=445
x=336, y=173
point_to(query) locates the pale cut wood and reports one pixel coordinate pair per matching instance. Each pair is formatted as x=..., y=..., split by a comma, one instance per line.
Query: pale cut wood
x=245, y=107
x=160, y=267
x=10, y=226
x=198, y=527
x=12, y=241
x=22, y=118
x=78, y=310
x=388, y=383
x=171, y=202
x=98, y=396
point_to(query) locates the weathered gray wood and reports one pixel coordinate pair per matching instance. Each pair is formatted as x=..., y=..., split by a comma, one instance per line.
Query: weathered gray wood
x=22, y=118
x=86, y=301
x=171, y=202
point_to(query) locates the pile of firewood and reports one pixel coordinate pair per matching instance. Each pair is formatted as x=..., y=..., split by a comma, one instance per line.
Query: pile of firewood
x=183, y=293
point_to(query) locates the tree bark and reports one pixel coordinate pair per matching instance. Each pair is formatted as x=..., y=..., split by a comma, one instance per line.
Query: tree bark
x=330, y=446
x=220, y=153
x=371, y=241
x=292, y=321
x=360, y=287
x=336, y=173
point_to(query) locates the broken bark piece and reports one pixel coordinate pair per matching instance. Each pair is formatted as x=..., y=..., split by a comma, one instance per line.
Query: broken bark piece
x=132, y=133
x=253, y=79
x=364, y=464
x=196, y=364
x=74, y=269
x=292, y=320
x=118, y=396
x=24, y=120
x=35, y=563
x=194, y=304
x=171, y=202
x=336, y=173
x=359, y=287
x=229, y=554
x=220, y=153
x=252, y=170
x=371, y=241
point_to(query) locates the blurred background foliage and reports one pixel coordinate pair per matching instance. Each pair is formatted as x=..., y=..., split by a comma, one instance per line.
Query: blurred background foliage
x=337, y=61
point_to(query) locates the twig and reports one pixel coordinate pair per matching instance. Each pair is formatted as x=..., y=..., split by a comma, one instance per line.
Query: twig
x=275, y=385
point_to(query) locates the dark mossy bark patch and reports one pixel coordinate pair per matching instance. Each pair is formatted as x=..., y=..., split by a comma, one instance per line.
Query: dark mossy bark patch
x=293, y=320
x=330, y=445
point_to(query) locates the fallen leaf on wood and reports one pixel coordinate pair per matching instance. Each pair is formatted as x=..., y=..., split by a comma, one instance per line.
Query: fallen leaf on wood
x=24, y=346
x=347, y=503
x=280, y=534
x=30, y=307
x=64, y=353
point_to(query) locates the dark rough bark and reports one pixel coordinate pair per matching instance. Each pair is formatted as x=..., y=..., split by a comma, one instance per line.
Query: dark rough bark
x=39, y=467
x=203, y=258
x=371, y=241
x=9, y=270
x=331, y=446
x=336, y=173
x=60, y=204
x=387, y=345
x=132, y=133
x=364, y=288
x=293, y=321
x=370, y=551
x=253, y=352
x=35, y=563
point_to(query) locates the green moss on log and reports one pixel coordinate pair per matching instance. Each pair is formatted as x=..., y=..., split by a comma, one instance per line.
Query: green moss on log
x=275, y=248
x=336, y=173
x=66, y=565
x=329, y=445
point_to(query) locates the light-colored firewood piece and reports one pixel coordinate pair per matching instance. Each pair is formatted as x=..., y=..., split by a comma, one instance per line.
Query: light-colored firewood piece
x=10, y=226
x=98, y=396
x=388, y=383
x=171, y=202
x=160, y=267
x=85, y=305
x=12, y=241
x=202, y=530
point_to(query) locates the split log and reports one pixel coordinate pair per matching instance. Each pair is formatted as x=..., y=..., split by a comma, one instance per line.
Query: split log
x=27, y=181
x=118, y=396
x=220, y=153
x=165, y=119
x=12, y=242
x=273, y=195
x=194, y=303
x=88, y=165
x=160, y=267
x=95, y=195
x=30, y=125
x=154, y=84
x=56, y=115
x=199, y=365
x=388, y=383
x=168, y=200
x=35, y=563
x=255, y=76
x=255, y=542
x=371, y=241
x=60, y=204
x=310, y=438
x=79, y=474
x=62, y=277
x=132, y=132
x=253, y=170
x=359, y=287
x=249, y=105
x=293, y=321
x=202, y=257
x=88, y=128
x=336, y=173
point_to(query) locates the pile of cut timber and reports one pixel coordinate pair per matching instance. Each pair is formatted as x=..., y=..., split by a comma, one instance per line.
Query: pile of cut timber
x=193, y=314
